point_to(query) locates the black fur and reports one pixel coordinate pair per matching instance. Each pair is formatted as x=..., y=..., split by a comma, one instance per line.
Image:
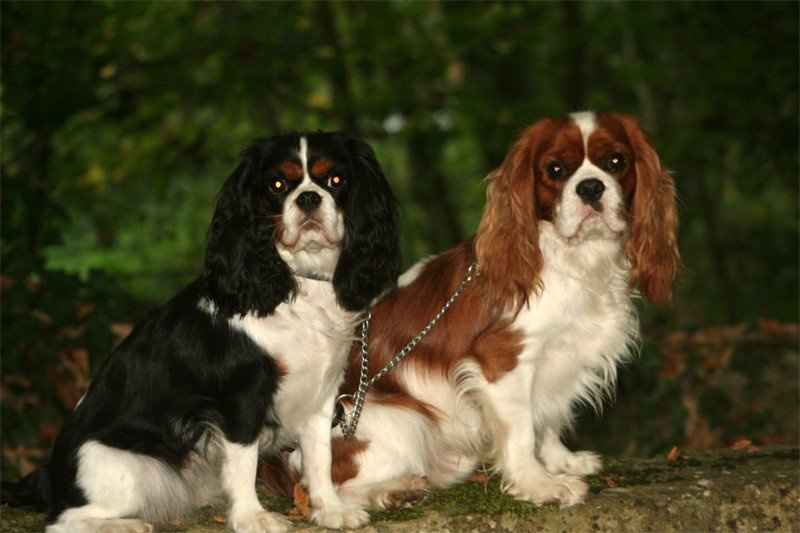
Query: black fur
x=369, y=259
x=183, y=369
x=243, y=274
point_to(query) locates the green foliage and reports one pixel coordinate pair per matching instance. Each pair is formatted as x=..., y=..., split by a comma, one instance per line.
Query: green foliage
x=57, y=329
x=121, y=120
x=703, y=389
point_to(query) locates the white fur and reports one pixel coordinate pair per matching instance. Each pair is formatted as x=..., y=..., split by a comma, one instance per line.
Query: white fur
x=120, y=483
x=586, y=122
x=411, y=274
x=576, y=331
x=310, y=339
x=238, y=478
x=302, y=153
x=310, y=243
x=577, y=220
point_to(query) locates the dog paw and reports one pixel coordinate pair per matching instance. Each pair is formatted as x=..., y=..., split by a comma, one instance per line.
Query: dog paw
x=576, y=464
x=344, y=516
x=560, y=490
x=413, y=492
x=126, y=525
x=100, y=525
x=260, y=522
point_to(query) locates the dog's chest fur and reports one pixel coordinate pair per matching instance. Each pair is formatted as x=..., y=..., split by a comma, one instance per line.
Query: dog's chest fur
x=581, y=326
x=309, y=338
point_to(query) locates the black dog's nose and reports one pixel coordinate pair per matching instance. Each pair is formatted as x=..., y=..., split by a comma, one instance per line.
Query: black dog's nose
x=308, y=201
x=590, y=190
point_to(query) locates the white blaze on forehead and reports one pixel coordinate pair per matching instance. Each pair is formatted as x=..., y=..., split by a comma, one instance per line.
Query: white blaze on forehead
x=303, y=153
x=586, y=122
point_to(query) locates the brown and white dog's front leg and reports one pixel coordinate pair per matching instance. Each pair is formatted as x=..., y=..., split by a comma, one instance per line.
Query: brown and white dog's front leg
x=515, y=437
x=315, y=448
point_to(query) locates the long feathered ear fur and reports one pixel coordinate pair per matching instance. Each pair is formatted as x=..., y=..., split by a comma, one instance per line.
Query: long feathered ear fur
x=652, y=246
x=243, y=271
x=370, y=260
x=507, y=241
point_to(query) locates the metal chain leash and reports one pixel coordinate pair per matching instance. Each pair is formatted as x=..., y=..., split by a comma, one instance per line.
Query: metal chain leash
x=341, y=416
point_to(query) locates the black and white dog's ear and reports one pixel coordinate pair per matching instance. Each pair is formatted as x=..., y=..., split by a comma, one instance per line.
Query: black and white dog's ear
x=370, y=259
x=243, y=271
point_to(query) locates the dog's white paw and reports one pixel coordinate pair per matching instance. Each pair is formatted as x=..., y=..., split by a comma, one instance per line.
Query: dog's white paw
x=560, y=490
x=126, y=525
x=101, y=525
x=342, y=516
x=260, y=522
x=398, y=493
x=576, y=464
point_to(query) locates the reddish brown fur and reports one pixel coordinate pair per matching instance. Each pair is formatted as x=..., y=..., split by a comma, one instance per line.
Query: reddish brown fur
x=471, y=328
x=279, y=477
x=652, y=246
x=496, y=349
x=291, y=171
x=553, y=140
x=506, y=247
x=509, y=230
x=344, y=467
x=321, y=167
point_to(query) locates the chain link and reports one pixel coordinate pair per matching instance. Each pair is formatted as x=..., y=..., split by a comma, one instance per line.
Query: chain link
x=349, y=427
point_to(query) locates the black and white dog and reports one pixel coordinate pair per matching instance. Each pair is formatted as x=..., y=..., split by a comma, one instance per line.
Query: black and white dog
x=245, y=360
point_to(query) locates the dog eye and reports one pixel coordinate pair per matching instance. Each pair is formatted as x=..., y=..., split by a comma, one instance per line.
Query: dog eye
x=555, y=171
x=277, y=185
x=335, y=181
x=616, y=162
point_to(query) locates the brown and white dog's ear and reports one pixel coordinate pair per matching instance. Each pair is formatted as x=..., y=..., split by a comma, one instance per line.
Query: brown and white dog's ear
x=507, y=242
x=652, y=246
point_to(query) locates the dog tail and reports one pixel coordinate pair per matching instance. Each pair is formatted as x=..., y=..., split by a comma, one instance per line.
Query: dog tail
x=32, y=490
x=278, y=476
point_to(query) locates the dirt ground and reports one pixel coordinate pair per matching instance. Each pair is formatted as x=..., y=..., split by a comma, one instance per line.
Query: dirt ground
x=726, y=490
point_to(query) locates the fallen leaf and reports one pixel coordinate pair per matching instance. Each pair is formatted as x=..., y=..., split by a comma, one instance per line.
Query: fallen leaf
x=219, y=519
x=83, y=308
x=479, y=478
x=744, y=444
x=71, y=332
x=120, y=330
x=19, y=456
x=6, y=282
x=302, y=507
x=609, y=481
x=673, y=455
x=771, y=328
x=48, y=431
x=16, y=380
x=42, y=317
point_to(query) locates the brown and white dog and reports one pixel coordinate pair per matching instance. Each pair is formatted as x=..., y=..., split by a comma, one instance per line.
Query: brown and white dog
x=580, y=220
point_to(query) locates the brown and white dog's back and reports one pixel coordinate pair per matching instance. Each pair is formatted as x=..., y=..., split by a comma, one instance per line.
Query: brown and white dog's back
x=580, y=220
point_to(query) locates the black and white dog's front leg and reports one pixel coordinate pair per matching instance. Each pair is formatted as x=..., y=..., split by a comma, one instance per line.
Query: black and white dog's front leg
x=246, y=514
x=315, y=449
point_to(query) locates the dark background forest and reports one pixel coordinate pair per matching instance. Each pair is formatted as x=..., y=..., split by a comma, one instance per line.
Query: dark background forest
x=120, y=121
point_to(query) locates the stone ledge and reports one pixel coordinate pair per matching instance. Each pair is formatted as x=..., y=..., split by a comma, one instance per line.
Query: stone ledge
x=702, y=491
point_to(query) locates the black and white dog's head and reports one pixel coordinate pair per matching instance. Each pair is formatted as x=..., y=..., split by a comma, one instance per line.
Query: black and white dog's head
x=314, y=205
